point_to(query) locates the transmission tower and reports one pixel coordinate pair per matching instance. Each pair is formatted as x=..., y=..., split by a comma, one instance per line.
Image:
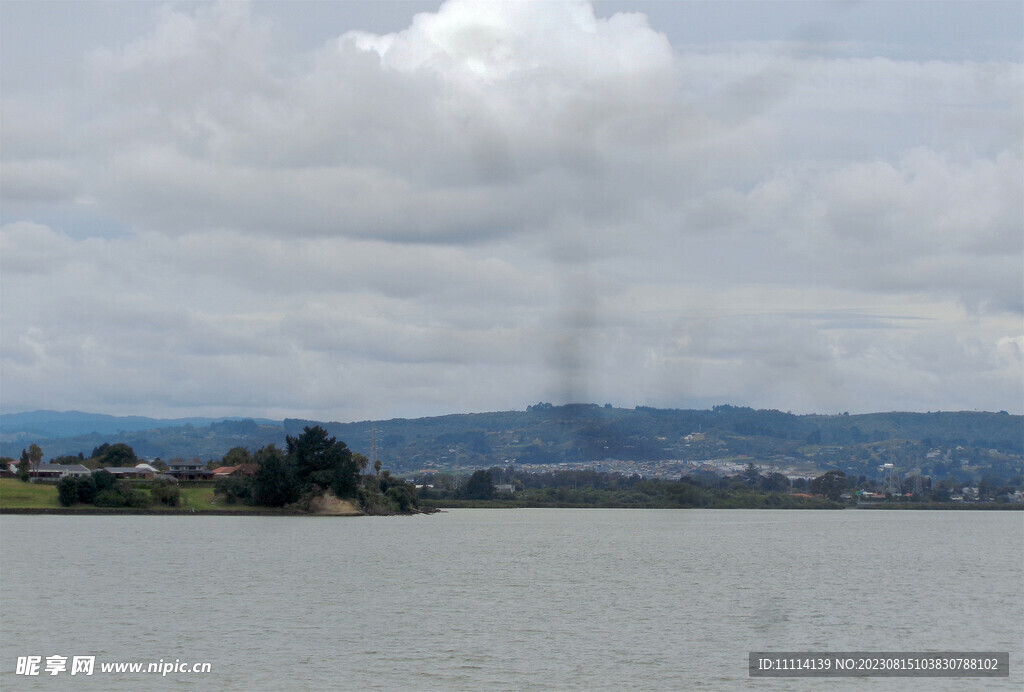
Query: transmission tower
x=891, y=481
x=917, y=484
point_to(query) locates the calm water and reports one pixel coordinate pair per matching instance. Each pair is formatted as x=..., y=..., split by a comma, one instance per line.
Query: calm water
x=507, y=599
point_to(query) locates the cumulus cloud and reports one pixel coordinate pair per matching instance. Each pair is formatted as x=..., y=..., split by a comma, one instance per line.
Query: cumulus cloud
x=505, y=202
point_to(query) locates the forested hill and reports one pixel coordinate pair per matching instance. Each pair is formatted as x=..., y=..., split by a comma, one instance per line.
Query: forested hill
x=580, y=432
x=546, y=434
x=61, y=424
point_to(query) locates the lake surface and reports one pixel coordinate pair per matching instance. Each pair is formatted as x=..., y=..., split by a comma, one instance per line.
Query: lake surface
x=507, y=599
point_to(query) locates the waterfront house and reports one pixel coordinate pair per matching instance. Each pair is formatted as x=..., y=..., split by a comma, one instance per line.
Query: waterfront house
x=237, y=470
x=192, y=470
x=129, y=472
x=54, y=472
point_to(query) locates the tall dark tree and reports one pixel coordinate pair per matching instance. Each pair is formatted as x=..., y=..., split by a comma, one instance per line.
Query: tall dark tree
x=236, y=456
x=274, y=484
x=322, y=462
x=30, y=460
x=775, y=482
x=480, y=486
x=24, y=466
x=35, y=454
x=831, y=484
x=750, y=475
x=120, y=454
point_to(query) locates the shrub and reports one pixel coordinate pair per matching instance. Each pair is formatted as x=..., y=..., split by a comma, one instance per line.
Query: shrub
x=404, y=495
x=136, y=499
x=122, y=496
x=109, y=498
x=104, y=480
x=165, y=493
x=234, y=489
x=87, y=488
x=67, y=491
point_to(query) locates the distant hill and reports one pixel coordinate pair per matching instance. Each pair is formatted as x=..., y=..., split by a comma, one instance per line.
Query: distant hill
x=940, y=443
x=54, y=425
x=546, y=434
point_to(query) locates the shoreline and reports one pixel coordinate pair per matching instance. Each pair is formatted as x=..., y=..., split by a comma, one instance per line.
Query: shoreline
x=99, y=511
x=121, y=511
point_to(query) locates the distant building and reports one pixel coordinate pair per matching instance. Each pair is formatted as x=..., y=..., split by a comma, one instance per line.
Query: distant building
x=129, y=472
x=54, y=472
x=189, y=470
x=238, y=470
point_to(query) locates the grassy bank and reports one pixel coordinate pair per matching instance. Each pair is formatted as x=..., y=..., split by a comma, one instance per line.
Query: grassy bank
x=42, y=497
x=15, y=494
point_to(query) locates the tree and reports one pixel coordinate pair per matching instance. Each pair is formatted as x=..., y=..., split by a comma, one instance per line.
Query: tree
x=35, y=455
x=750, y=475
x=274, y=484
x=775, y=482
x=29, y=462
x=831, y=485
x=322, y=463
x=237, y=456
x=24, y=466
x=480, y=486
x=118, y=454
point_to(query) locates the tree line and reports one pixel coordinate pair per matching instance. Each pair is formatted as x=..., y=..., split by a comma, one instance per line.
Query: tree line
x=750, y=488
x=101, y=489
x=609, y=489
x=310, y=465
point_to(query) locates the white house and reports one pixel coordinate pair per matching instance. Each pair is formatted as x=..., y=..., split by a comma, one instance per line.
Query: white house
x=54, y=472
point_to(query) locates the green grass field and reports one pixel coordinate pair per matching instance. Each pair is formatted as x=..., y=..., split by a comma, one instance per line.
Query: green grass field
x=17, y=495
x=203, y=498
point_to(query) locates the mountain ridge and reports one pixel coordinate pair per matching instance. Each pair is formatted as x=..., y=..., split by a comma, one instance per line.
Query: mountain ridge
x=52, y=424
x=935, y=442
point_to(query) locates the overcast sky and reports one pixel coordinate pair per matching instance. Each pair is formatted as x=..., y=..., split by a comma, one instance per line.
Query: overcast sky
x=364, y=210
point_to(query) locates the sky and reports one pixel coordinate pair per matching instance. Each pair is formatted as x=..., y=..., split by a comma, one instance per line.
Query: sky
x=367, y=210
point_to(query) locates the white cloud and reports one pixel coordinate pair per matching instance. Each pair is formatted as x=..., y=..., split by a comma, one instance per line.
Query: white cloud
x=503, y=203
